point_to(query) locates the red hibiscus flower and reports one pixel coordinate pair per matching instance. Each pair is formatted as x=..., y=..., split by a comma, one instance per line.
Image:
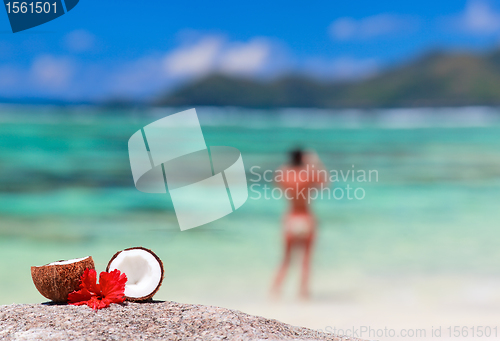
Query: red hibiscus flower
x=110, y=289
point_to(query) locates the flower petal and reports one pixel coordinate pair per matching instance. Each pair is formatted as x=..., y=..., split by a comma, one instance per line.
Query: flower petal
x=79, y=296
x=113, y=286
x=93, y=302
x=89, y=281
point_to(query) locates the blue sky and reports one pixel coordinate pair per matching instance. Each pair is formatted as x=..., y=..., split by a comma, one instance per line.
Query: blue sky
x=104, y=49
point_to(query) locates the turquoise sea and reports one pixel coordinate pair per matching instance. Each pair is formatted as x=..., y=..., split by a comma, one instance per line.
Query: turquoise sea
x=66, y=191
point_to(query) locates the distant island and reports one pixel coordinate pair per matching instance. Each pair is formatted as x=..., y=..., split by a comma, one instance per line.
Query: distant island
x=437, y=79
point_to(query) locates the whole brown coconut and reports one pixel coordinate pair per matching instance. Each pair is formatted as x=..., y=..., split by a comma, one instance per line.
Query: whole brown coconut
x=56, y=280
x=144, y=271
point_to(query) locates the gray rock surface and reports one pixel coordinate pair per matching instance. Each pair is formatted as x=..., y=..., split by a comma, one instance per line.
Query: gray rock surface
x=144, y=321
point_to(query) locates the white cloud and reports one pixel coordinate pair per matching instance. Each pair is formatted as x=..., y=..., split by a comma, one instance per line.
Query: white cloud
x=479, y=17
x=214, y=54
x=79, y=41
x=370, y=27
x=195, y=59
x=245, y=58
x=52, y=72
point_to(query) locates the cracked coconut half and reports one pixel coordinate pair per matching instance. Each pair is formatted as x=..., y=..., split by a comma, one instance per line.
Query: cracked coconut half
x=144, y=271
x=56, y=280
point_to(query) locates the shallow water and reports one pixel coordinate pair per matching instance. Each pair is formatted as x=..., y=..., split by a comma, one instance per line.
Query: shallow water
x=423, y=232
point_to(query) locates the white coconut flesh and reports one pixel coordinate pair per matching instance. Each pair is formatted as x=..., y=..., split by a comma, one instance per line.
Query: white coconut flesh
x=71, y=261
x=142, y=269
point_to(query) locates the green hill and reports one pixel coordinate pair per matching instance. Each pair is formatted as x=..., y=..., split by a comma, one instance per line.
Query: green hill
x=437, y=79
